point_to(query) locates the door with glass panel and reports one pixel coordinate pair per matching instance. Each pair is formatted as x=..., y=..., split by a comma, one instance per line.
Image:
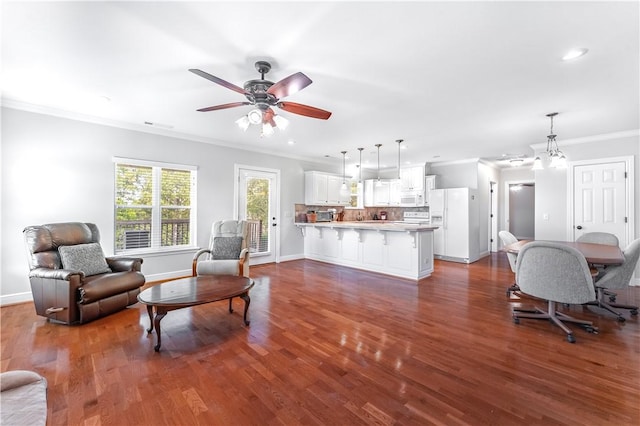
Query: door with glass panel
x=258, y=205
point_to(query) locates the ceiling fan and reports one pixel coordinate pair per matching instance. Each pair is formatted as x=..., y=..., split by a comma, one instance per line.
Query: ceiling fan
x=264, y=95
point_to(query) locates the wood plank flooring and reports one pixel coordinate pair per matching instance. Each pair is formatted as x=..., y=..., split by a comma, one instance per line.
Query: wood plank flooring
x=331, y=345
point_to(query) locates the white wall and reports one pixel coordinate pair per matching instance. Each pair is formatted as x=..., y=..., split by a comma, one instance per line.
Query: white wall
x=58, y=170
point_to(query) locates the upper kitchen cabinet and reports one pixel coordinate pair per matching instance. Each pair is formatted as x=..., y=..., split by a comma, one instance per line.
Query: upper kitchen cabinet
x=383, y=193
x=323, y=189
x=412, y=178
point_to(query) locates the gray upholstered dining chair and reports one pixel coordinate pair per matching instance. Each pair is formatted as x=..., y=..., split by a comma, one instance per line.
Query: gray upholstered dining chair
x=227, y=253
x=600, y=238
x=508, y=238
x=618, y=278
x=558, y=274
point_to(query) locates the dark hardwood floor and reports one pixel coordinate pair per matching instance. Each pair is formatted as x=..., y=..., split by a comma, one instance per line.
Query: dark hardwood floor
x=331, y=345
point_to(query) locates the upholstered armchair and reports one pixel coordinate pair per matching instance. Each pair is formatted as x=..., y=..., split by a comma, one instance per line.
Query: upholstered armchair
x=227, y=253
x=71, y=280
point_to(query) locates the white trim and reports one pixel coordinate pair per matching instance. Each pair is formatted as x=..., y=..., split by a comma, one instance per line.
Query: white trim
x=12, y=299
x=277, y=213
x=587, y=139
x=153, y=163
x=629, y=192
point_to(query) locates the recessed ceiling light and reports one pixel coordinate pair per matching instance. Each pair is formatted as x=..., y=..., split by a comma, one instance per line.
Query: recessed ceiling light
x=291, y=142
x=575, y=53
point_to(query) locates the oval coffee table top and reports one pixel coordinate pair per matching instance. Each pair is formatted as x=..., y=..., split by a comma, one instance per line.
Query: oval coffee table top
x=195, y=290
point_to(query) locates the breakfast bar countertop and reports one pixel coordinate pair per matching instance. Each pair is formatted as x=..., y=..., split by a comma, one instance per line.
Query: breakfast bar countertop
x=374, y=225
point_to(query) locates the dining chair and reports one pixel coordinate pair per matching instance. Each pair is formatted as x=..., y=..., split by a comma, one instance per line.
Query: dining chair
x=600, y=238
x=558, y=274
x=618, y=277
x=508, y=238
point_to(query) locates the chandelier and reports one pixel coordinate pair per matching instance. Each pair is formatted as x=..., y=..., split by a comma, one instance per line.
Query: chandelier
x=557, y=157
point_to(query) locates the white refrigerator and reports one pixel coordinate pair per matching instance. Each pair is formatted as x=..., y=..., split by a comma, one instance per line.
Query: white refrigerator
x=455, y=212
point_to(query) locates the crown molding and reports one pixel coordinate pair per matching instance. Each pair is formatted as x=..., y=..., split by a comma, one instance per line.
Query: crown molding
x=594, y=138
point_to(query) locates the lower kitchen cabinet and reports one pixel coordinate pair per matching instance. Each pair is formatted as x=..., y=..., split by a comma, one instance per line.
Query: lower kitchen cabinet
x=396, y=250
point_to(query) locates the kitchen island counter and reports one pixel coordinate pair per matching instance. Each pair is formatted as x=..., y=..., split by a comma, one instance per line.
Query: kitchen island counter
x=401, y=249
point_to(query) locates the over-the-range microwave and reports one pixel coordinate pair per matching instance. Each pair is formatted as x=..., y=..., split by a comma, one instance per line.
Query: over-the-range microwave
x=412, y=199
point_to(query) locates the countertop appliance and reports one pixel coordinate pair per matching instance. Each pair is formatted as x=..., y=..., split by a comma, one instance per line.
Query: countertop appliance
x=324, y=216
x=455, y=211
x=416, y=217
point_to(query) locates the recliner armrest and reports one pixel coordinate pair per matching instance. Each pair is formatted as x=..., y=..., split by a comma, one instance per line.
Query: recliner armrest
x=56, y=274
x=125, y=264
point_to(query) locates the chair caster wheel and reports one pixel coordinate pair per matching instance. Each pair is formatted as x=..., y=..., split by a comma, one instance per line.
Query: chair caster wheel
x=592, y=330
x=516, y=320
x=508, y=293
x=634, y=312
x=621, y=319
x=570, y=338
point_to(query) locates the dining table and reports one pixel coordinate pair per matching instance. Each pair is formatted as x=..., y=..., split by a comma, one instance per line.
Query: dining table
x=595, y=254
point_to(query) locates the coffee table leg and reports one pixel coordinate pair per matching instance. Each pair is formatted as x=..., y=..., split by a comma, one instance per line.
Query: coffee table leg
x=156, y=322
x=150, y=312
x=247, y=300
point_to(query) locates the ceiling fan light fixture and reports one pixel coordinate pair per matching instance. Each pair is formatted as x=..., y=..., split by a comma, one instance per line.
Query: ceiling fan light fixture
x=255, y=116
x=281, y=122
x=243, y=122
x=267, y=129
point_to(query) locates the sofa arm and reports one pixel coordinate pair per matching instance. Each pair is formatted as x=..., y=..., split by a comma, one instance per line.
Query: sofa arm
x=55, y=274
x=124, y=264
x=195, y=260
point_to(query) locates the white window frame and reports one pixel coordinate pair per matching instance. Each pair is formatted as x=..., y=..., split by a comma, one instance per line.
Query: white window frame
x=156, y=209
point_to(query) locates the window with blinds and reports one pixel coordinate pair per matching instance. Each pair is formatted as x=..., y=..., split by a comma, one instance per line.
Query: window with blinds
x=154, y=205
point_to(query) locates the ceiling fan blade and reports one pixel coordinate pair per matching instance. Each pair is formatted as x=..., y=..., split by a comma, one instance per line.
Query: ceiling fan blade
x=219, y=81
x=307, y=110
x=290, y=85
x=224, y=106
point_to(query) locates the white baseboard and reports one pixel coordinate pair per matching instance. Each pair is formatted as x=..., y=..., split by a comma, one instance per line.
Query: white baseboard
x=291, y=257
x=12, y=299
x=167, y=275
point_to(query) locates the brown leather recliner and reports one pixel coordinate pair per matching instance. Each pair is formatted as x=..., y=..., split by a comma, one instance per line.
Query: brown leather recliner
x=70, y=296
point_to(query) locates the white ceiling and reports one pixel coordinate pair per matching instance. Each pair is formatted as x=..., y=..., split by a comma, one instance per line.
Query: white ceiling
x=455, y=80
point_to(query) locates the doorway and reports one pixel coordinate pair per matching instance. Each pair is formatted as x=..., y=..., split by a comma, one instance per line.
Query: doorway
x=258, y=195
x=520, y=209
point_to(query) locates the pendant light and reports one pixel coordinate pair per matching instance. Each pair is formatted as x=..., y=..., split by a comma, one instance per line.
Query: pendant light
x=399, y=141
x=378, y=182
x=343, y=188
x=360, y=168
x=557, y=157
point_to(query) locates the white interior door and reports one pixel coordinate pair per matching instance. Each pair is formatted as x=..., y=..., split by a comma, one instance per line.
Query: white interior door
x=600, y=200
x=258, y=203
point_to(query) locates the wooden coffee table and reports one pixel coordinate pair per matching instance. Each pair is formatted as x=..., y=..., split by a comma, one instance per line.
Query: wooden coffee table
x=192, y=291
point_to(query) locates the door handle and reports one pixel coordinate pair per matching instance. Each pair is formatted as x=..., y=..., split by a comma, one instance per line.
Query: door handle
x=579, y=227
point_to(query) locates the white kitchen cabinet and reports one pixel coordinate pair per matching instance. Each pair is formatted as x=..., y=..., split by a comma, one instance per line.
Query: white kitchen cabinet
x=384, y=194
x=412, y=178
x=324, y=189
x=400, y=250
